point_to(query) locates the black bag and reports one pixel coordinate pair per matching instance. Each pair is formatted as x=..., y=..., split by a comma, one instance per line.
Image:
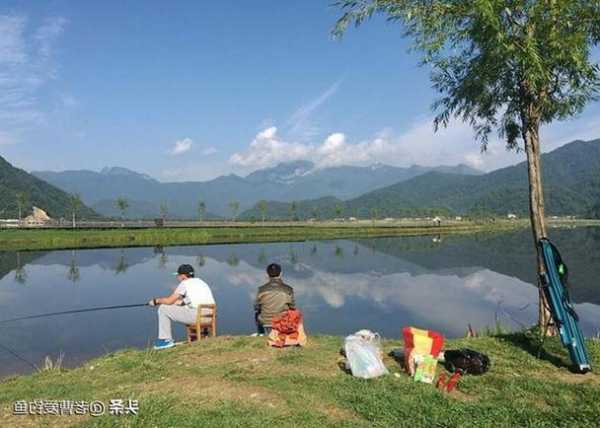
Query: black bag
x=466, y=361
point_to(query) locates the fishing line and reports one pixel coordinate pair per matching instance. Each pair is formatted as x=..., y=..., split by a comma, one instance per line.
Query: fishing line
x=14, y=354
x=76, y=311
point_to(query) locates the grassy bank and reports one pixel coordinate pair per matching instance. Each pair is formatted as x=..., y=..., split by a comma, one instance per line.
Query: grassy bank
x=238, y=381
x=238, y=232
x=48, y=239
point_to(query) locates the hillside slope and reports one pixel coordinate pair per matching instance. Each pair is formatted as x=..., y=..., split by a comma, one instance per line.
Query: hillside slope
x=571, y=176
x=39, y=193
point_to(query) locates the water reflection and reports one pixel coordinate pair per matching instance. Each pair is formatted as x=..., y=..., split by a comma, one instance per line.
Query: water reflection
x=20, y=272
x=233, y=260
x=342, y=286
x=262, y=257
x=313, y=250
x=122, y=264
x=163, y=259
x=73, y=273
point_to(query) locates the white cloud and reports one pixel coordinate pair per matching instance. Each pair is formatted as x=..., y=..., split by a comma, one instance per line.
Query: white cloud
x=12, y=42
x=26, y=66
x=46, y=35
x=182, y=146
x=418, y=145
x=267, y=134
x=268, y=149
x=209, y=151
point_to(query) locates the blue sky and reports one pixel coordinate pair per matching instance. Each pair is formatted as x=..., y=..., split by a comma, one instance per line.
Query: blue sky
x=188, y=90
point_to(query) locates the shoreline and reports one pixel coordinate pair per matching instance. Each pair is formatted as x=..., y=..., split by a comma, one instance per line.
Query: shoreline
x=239, y=381
x=234, y=233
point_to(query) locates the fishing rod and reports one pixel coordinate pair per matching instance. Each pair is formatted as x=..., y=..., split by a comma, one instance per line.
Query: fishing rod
x=76, y=311
x=51, y=314
x=14, y=354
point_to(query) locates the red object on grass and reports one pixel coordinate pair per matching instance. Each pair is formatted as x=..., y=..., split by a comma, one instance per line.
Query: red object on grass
x=422, y=339
x=288, y=330
x=288, y=321
x=452, y=382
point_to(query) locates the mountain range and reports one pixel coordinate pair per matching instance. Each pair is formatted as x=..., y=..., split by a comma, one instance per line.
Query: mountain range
x=571, y=177
x=37, y=193
x=285, y=182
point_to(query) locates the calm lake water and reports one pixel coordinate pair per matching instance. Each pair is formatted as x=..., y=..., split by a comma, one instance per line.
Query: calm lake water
x=341, y=286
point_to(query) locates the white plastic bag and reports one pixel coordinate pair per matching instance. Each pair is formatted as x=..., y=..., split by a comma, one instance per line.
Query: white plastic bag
x=363, y=353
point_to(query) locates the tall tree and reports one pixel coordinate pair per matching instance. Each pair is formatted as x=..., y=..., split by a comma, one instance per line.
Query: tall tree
x=122, y=205
x=164, y=211
x=21, y=204
x=294, y=210
x=504, y=65
x=315, y=213
x=374, y=214
x=201, y=210
x=339, y=210
x=262, y=206
x=595, y=211
x=75, y=205
x=235, y=208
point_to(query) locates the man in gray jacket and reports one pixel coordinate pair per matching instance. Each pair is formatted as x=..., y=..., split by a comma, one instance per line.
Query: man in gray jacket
x=272, y=298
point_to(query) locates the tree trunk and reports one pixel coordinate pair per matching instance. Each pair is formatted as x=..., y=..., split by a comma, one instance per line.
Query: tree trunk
x=74, y=220
x=536, y=213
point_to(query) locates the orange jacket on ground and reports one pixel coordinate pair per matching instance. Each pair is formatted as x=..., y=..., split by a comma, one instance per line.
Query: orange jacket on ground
x=288, y=329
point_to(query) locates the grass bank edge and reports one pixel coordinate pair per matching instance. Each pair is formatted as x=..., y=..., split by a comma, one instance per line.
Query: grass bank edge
x=55, y=239
x=307, y=388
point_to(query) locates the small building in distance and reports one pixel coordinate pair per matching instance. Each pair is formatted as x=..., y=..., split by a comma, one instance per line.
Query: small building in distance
x=511, y=216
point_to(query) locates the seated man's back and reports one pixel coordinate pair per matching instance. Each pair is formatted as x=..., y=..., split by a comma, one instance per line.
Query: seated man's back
x=273, y=298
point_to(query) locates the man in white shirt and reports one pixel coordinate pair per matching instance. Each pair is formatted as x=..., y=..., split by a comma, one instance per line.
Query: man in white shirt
x=181, y=306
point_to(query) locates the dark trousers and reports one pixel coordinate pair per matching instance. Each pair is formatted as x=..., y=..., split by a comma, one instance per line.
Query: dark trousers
x=260, y=327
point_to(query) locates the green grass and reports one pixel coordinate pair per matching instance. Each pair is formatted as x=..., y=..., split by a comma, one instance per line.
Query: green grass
x=239, y=232
x=49, y=239
x=238, y=381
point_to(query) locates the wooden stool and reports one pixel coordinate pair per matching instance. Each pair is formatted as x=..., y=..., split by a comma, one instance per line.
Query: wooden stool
x=206, y=323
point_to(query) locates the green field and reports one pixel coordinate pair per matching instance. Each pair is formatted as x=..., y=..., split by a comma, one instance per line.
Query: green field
x=186, y=233
x=239, y=381
x=48, y=239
